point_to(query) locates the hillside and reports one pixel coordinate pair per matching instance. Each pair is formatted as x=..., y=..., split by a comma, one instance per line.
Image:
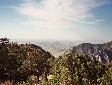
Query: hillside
x=29, y=64
x=19, y=61
x=100, y=52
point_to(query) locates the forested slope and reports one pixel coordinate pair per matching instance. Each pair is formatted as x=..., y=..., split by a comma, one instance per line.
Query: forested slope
x=20, y=62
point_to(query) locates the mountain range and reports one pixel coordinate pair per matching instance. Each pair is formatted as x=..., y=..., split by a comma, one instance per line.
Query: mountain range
x=100, y=52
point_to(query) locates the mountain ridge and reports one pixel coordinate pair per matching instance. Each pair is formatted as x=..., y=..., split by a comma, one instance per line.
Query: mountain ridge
x=100, y=52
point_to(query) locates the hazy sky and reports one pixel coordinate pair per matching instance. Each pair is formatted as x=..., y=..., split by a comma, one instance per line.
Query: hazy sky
x=56, y=19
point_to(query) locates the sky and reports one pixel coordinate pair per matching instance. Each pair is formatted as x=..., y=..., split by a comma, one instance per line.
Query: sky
x=71, y=20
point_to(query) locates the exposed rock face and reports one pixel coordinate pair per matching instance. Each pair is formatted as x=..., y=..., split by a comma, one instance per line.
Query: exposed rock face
x=100, y=52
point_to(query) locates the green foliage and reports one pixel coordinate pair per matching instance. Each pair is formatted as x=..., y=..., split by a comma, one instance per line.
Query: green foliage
x=18, y=62
x=72, y=69
x=106, y=79
x=26, y=83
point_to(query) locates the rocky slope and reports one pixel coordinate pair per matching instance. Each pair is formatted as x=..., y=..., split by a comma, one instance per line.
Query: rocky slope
x=100, y=52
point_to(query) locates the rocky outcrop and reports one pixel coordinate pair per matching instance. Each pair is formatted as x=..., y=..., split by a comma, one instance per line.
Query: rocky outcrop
x=100, y=52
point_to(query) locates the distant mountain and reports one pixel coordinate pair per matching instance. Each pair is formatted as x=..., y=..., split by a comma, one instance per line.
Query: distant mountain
x=56, y=48
x=100, y=52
